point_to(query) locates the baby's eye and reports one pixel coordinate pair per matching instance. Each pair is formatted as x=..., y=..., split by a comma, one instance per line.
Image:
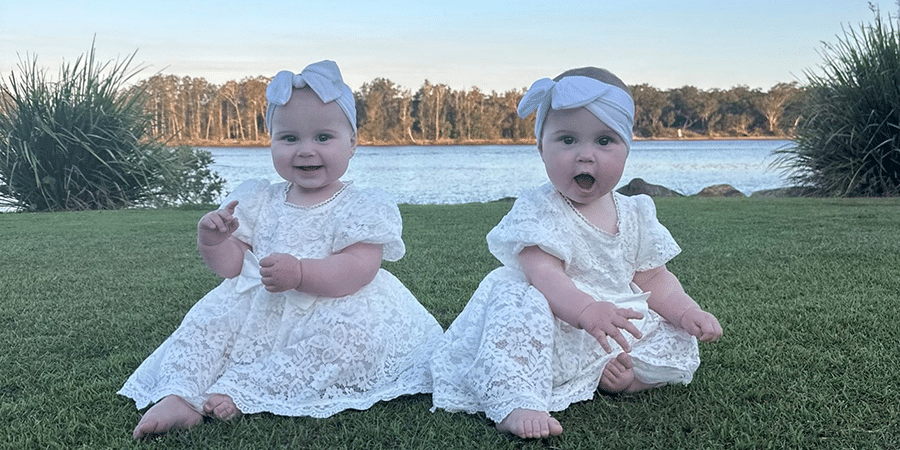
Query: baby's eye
x=289, y=138
x=604, y=140
x=323, y=137
x=568, y=140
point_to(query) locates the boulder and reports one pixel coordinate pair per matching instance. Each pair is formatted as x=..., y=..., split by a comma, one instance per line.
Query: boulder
x=639, y=186
x=720, y=190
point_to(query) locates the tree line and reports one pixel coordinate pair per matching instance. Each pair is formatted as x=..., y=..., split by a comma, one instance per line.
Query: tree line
x=188, y=110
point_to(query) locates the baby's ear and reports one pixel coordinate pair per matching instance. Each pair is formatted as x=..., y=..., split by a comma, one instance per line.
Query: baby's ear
x=352, y=144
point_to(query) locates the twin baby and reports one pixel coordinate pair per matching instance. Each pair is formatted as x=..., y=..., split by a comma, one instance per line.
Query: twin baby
x=306, y=322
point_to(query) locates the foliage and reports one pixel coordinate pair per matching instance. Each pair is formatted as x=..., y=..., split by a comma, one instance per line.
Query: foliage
x=848, y=140
x=198, y=113
x=80, y=142
x=806, y=290
x=187, y=178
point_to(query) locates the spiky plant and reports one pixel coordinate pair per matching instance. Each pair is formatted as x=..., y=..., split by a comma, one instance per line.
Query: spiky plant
x=79, y=142
x=848, y=140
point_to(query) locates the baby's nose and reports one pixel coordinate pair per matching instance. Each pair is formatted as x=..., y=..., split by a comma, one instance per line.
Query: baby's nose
x=585, y=155
x=304, y=150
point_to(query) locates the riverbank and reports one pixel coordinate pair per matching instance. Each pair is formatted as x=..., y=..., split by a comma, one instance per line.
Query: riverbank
x=529, y=141
x=781, y=275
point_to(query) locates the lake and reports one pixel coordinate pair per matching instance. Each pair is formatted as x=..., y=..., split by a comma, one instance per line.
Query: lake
x=464, y=174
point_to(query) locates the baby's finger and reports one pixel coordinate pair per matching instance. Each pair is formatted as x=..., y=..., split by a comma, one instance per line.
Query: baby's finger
x=711, y=332
x=629, y=313
x=268, y=261
x=600, y=336
x=230, y=207
x=693, y=329
x=628, y=326
x=620, y=339
x=633, y=330
x=215, y=222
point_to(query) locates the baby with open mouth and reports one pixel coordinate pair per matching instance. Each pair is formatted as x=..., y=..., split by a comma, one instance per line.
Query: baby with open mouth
x=583, y=300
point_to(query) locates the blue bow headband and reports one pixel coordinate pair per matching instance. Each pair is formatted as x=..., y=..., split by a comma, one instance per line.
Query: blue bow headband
x=323, y=77
x=608, y=103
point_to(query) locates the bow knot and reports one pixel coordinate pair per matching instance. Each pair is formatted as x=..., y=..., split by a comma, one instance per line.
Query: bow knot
x=608, y=103
x=323, y=77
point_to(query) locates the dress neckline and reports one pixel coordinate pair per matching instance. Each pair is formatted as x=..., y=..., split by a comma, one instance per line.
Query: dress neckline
x=590, y=224
x=343, y=188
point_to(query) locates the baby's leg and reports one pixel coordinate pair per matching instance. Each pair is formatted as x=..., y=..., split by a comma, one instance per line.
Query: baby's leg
x=618, y=376
x=221, y=407
x=170, y=413
x=528, y=423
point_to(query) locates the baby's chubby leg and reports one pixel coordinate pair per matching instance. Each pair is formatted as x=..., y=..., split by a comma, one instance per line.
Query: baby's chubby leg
x=221, y=407
x=528, y=423
x=170, y=413
x=618, y=376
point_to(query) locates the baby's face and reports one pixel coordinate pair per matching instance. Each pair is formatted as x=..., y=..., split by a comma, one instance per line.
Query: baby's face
x=584, y=157
x=312, y=143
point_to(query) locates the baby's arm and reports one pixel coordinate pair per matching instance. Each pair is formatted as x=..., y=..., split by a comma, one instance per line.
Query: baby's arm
x=221, y=252
x=600, y=319
x=340, y=274
x=667, y=297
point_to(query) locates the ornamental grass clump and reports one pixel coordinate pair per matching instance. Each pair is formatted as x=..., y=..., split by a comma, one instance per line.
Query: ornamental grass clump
x=79, y=143
x=848, y=141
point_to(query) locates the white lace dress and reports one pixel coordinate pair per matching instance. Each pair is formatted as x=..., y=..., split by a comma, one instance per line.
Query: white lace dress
x=506, y=350
x=290, y=353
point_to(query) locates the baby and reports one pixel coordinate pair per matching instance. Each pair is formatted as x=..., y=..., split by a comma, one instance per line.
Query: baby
x=581, y=263
x=315, y=326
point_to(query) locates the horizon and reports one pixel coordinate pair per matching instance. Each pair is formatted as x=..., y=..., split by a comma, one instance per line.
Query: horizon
x=465, y=44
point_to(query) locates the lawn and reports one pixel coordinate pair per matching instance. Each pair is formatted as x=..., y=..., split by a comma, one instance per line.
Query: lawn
x=807, y=291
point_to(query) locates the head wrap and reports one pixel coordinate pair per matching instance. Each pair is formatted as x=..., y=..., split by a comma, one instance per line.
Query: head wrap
x=323, y=77
x=609, y=103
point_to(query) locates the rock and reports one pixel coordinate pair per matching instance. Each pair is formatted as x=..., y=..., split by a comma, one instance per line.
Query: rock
x=720, y=190
x=639, y=186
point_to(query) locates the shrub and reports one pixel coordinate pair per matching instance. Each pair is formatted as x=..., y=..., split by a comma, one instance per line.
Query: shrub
x=848, y=140
x=187, y=178
x=79, y=142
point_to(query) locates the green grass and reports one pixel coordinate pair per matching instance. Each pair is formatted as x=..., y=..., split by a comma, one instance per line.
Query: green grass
x=806, y=289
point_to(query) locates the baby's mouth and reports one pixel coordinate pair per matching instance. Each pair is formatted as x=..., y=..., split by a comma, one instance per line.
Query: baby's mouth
x=584, y=181
x=308, y=168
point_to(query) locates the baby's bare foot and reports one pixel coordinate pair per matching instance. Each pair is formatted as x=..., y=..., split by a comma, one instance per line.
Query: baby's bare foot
x=221, y=407
x=528, y=423
x=170, y=413
x=618, y=376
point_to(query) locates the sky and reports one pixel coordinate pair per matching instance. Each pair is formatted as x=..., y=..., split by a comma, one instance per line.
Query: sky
x=492, y=45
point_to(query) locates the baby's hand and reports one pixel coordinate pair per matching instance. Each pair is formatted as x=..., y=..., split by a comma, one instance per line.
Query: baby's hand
x=280, y=272
x=217, y=226
x=701, y=324
x=604, y=319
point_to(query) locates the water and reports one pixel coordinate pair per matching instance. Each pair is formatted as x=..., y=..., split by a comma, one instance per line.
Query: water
x=464, y=174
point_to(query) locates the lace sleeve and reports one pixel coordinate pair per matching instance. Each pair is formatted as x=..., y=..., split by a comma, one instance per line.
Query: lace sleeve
x=251, y=196
x=531, y=221
x=370, y=216
x=655, y=244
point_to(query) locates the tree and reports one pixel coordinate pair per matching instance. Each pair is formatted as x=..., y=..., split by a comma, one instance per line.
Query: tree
x=383, y=112
x=738, y=115
x=253, y=99
x=231, y=104
x=649, y=104
x=772, y=105
x=431, y=112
